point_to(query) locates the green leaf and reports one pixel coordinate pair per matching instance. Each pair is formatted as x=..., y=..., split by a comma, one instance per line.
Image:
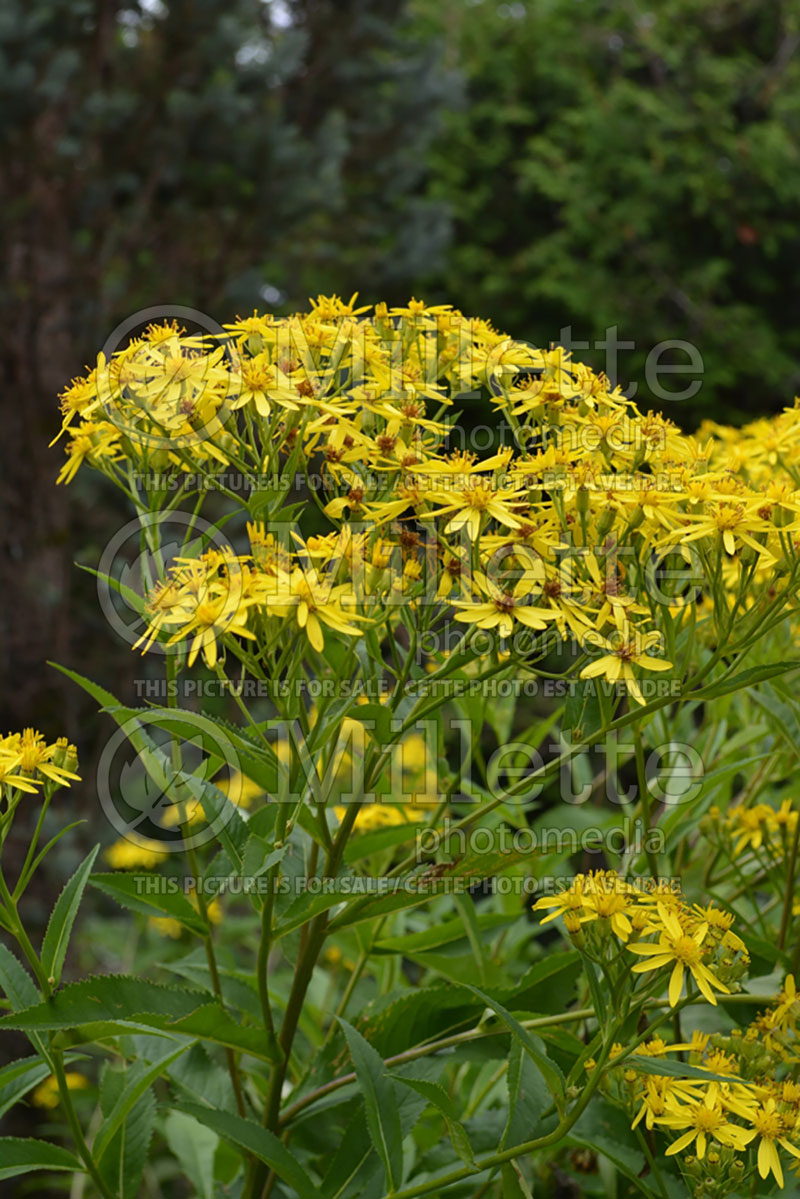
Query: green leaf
x=527, y=1097
x=460, y=1142
x=124, y=1160
x=745, y=679
x=304, y=907
x=785, y=719
x=17, y=984
x=380, y=1101
x=247, y=1135
x=548, y=985
x=378, y=720
x=219, y=740
x=144, y=891
x=512, y=1187
x=666, y=1066
x=436, y=1095
x=583, y=710
x=56, y=939
x=21, y=1076
x=259, y=856
x=20, y=1155
x=201, y=1078
x=194, y=1146
x=607, y=1130
x=439, y=934
x=256, y=762
x=379, y=840
x=403, y=1018
x=466, y=908
x=433, y=1092
x=138, y=1079
x=136, y=603
x=531, y=1043
x=117, y=1003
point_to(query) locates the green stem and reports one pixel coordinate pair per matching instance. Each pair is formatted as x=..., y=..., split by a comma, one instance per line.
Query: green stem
x=644, y=799
x=506, y=1155
x=788, y=899
x=75, y=1128
x=194, y=866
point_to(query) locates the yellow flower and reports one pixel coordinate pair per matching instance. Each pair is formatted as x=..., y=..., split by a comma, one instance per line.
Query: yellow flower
x=214, y=617
x=477, y=499
x=658, y=1090
x=771, y=1127
x=132, y=850
x=46, y=1094
x=380, y=815
x=612, y=903
x=502, y=608
x=93, y=442
x=313, y=602
x=625, y=651
x=167, y=926
x=34, y=757
x=683, y=951
x=569, y=900
x=785, y=1013
x=705, y=1119
x=260, y=381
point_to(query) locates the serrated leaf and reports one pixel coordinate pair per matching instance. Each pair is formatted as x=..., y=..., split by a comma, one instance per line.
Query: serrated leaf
x=394, y=1022
x=432, y=1092
x=20, y=1155
x=124, y=1160
x=252, y=1137
x=118, y=1003
x=21, y=1076
x=194, y=1146
x=528, y=1097
x=532, y=1044
x=201, y=1078
x=144, y=891
x=138, y=1079
x=56, y=939
x=17, y=985
x=380, y=1102
x=460, y=1141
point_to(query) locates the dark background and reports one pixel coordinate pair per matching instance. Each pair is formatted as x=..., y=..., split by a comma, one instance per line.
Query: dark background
x=560, y=163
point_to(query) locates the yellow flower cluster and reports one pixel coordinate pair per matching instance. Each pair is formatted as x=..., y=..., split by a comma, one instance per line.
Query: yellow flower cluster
x=567, y=530
x=657, y=925
x=758, y=828
x=27, y=763
x=746, y=1104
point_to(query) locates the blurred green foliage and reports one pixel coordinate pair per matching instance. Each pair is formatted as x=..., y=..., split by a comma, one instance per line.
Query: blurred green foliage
x=632, y=165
